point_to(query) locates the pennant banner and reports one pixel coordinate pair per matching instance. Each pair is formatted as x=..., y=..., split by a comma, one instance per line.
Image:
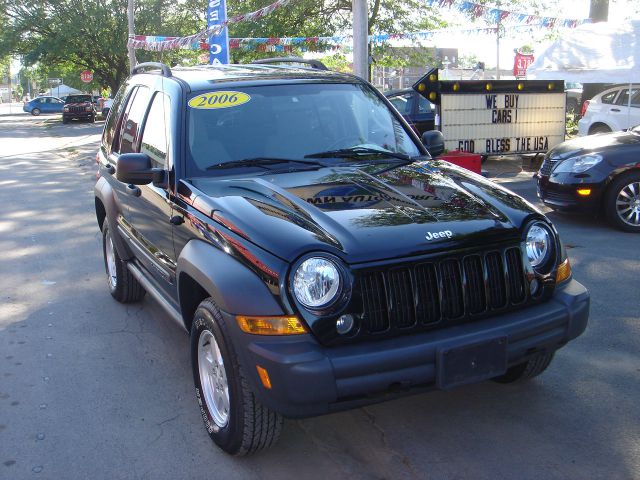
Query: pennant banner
x=496, y=15
x=172, y=43
x=340, y=42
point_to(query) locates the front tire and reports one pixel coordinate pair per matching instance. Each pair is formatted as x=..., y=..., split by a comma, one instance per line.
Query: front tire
x=235, y=420
x=622, y=202
x=526, y=370
x=35, y=112
x=123, y=286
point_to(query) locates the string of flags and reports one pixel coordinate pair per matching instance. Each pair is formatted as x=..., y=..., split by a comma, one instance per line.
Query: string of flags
x=171, y=43
x=320, y=44
x=497, y=15
x=198, y=41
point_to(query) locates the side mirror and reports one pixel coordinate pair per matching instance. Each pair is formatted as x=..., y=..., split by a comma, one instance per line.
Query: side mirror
x=134, y=168
x=434, y=141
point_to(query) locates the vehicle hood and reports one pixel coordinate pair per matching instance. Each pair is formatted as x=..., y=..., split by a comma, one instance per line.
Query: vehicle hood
x=594, y=143
x=363, y=216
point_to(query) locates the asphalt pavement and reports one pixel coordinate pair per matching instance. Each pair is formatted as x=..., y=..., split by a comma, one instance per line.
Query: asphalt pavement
x=90, y=388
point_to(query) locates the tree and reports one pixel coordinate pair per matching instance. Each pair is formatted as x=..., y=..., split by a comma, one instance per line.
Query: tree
x=71, y=35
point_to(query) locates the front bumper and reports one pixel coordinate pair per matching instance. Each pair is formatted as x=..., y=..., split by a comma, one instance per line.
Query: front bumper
x=309, y=379
x=560, y=191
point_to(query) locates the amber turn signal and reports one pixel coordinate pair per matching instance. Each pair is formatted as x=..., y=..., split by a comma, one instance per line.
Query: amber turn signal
x=271, y=325
x=564, y=271
x=584, y=192
x=264, y=376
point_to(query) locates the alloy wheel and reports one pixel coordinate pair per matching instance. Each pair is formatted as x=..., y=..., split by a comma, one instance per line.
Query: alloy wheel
x=213, y=378
x=628, y=204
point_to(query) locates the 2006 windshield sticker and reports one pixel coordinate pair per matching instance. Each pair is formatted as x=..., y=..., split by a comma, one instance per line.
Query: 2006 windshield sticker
x=219, y=100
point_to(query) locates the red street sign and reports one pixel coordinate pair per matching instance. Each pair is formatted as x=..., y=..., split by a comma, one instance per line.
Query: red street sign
x=520, y=64
x=86, y=76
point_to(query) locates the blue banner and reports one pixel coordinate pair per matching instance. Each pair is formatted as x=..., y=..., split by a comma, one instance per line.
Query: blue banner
x=218, y=44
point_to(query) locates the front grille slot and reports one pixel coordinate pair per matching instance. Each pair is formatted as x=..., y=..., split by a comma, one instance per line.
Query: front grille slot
x=496, y=280
x=516, y=275
x=373, y=296
x=428, y=306
x=452, y=305
x=474, y=274
x=442, y=291
x=402, y=313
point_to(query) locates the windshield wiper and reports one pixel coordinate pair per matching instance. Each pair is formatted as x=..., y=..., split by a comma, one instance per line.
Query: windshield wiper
x=359, y=152
x=260, y=162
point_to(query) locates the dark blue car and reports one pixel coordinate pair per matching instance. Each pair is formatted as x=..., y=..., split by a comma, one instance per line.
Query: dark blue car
x=417, y=111
x=43, y=105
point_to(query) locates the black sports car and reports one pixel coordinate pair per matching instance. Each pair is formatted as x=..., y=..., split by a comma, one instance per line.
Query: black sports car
x=599, y=174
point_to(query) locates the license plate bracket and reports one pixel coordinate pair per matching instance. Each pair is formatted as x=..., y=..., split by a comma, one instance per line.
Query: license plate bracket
x=471, y=363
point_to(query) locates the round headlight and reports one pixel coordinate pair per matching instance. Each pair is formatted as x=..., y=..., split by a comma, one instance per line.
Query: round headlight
x=538, y=244
x=316, y=282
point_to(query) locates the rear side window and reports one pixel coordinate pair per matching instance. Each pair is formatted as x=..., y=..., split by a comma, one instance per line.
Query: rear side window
x=623, y=99
x=609, y=97
x=132, y=120
x=114, y=114
x=155, y=138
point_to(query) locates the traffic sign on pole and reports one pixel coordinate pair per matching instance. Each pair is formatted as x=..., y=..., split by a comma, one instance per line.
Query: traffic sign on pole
x=86, y=76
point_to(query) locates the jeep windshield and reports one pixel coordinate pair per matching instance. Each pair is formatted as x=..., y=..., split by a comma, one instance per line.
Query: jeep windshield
x=291, y=121
x=78, y=98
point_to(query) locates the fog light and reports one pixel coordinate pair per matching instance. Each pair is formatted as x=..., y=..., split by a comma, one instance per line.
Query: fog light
x=533, y=286
x=344, y=324
x=584, y=192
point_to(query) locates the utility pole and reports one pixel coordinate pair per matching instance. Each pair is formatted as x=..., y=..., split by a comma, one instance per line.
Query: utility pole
x=360, y=38
x=498, y=51
x=132, y=53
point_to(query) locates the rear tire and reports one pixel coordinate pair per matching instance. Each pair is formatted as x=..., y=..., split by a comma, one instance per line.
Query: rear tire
x=599, y=129
x=526, y=370
x=234, y=418
x=622, y=202
x=123, y=286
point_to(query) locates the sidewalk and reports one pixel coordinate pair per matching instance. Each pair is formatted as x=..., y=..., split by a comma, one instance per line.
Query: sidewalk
x=13, y=108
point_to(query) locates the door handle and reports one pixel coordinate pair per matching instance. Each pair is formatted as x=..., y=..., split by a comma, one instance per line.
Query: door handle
x=133, y=190
x=615, y=109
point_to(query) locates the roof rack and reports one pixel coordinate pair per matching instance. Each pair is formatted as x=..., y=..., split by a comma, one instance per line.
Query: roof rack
x=317, y=64
x=164, y=69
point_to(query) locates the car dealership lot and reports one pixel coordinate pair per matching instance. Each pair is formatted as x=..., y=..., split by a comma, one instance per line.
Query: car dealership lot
x=90, y=388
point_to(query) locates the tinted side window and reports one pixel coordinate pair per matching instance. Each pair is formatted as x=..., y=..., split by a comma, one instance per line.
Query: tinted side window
x=155, y=138
x=403, y=103
x=623, y=99
x=424, y=105
x=112, y=119
x=608, y=98
x=132, y=121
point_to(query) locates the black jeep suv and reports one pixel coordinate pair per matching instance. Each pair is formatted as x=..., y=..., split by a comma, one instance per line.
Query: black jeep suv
x=80, y=107
x=293, y=223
